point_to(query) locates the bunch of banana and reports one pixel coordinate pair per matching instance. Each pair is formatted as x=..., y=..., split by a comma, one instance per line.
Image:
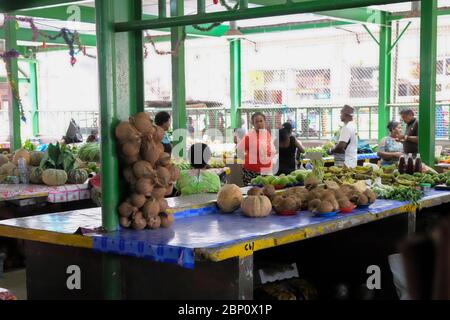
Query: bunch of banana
x=406, y=182
x=387, y=178
x=362, y=170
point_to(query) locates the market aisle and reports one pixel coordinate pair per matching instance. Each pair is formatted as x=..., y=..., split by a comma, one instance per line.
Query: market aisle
x=15, y=282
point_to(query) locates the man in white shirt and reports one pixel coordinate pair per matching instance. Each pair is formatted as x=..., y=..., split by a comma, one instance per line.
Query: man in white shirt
x=346, y=150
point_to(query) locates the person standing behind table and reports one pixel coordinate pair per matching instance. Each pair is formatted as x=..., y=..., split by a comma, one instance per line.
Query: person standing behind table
x=162, y=119
x=258, y=149
x=287, y=148
x=346, y=150
x=410, y=139
x=390, y=149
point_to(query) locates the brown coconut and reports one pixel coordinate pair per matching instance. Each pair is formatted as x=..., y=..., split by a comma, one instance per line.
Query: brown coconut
x=142, y=122
x=254, y=191
x=162, y=177
x=158, y=193
x=150, y=151
x=164, y=159
x=125, y=131
x=158, y=134
x=174, y=172
x=139, y=223
x=137, y=200
x=269, y=191
x=127, y=210
x=144, y=186
x=125, y=222
x=151, y=208
x=163, y=205
x=154, y=222
x=143, y=169
x=129, y=176
x=131, y=148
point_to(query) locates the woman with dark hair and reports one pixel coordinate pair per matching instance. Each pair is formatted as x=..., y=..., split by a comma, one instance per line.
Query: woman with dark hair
x=390, y=149
x=162, y=119
x=198, y=180
x=258, y=149
x=287, y=148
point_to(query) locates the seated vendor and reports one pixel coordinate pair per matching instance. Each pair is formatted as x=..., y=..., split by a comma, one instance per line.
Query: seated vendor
x=198, y=180
x=390, y=149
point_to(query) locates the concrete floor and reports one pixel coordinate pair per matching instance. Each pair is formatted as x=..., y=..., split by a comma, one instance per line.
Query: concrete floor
x=16, y=283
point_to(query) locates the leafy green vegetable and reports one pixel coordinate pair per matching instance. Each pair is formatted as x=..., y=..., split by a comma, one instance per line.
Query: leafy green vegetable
x=90, y=152
x=58, y=157
x=400, y=193
x=29, y=146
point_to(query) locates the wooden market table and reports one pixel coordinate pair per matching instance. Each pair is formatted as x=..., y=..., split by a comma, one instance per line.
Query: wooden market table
x=205, y=254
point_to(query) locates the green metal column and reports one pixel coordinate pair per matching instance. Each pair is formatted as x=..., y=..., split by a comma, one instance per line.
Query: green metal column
x=427, y=100
x=34, y=97
x=235, y=82
x=120, y=61
x=14, y=114
x=178, y=76
x=384, y=79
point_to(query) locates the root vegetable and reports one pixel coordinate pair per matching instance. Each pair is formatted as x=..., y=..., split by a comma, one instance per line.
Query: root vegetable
x=151, y=208
x=229, y=198
x=138, y=200
x=255, y=191
x=127, y=210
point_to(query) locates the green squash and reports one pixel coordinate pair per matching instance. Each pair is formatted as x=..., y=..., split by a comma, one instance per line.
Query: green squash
x=36, y=158
x=77, y=176
x=54, y=177
x=36, y=175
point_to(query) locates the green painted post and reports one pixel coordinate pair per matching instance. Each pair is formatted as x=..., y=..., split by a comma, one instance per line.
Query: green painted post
x=235, y=82
x=384, y=79
x=427, y=99
x=120, y=60
x=11, y=43
x=178, y=76
x=34, y=97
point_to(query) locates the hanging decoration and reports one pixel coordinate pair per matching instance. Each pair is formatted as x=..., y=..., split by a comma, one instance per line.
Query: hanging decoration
x=224, y=3
x=215, y=1
x=7, y=57
x=173, y=52
x=206, y=29
x=70, y=38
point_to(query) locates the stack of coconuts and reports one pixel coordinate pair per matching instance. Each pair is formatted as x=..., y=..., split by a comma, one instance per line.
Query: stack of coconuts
x=148, y=171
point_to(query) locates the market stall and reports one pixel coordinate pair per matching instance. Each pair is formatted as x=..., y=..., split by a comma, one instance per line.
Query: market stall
x=202, y=240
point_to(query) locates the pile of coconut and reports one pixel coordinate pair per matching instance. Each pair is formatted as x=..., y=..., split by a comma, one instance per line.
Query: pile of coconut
x=148, y=172
x=319, y=199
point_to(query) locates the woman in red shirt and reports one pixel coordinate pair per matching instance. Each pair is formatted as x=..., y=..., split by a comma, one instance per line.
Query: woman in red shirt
x=258, y=149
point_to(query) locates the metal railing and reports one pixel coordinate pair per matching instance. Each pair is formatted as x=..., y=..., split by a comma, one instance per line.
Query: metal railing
x=54, y=123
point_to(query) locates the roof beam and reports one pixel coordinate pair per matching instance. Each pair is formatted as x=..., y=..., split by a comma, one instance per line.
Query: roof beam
x=354, y=15
x=87, y=15
x=294, y=26
x=13, y=5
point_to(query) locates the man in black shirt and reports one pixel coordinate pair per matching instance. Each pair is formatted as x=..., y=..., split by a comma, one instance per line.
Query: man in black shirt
x=411, y=137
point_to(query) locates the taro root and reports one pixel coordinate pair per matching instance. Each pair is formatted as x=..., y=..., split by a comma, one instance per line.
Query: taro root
x=158, y=193
x=131, y=148
x=142, y=122
x=151, y=208
x=325, y=207
x=311, y=182
x=164, y=159
x=154, y=222
x=276, y=201
x=288, y=204
x=137, y=200
x=166, y=219
x=163, y=205
x=125, y=222
x=158, y=134
x=143, y=169
x=144, y=186
x=254, y=191
x=162, y=177
x=126, y=209
x=269, y=191
x=125, y=131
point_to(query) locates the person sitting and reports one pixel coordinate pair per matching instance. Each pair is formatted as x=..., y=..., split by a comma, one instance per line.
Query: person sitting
x=287, y=148
x=198, y=180
x=390, y=149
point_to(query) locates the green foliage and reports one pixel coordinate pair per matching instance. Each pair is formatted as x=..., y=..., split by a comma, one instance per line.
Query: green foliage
x=58, y=157
x=29, y=146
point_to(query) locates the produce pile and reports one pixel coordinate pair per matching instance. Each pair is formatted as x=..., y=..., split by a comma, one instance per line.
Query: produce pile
x=329, y=198
x=282, y=181
x=89, y=152
x=54, y=167
x=148, y=171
